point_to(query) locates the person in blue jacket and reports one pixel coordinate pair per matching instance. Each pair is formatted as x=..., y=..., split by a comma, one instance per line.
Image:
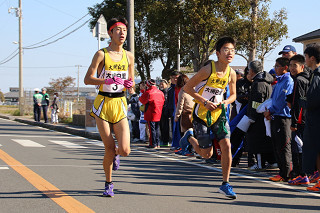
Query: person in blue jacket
x=279, y=114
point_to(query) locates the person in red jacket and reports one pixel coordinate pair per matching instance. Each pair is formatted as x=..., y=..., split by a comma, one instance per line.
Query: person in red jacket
x=153, y=99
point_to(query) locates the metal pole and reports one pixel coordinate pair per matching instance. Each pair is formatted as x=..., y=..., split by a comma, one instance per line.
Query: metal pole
x=21, y=95
x=178, y=55
x=78, y=94
x=130, y=12
x=99, y=38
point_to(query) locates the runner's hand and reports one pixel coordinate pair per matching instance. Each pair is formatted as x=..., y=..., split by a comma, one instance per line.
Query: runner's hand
x=109, y=81
x=128, y=83
x=118, y=80
x=211, y=106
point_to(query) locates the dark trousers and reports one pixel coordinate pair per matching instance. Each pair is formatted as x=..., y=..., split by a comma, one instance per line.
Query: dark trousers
x=154, y=131
x=176, y=134
x=135, y=129
x=281, y=142
x=37, y=112
x=165, y=130
x=45, y=113
x=237, y=136
x=296, y=150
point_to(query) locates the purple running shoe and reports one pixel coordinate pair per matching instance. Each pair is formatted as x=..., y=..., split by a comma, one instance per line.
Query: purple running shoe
x=108, y=192
x=116, y=163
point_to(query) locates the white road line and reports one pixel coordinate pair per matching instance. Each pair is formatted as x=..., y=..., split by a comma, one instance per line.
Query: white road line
x=232, y=173
x=37, y=136
x=33, y=165
x=15, y=122
x=4, y=167
x=95, y=142
x=68, y=144
x=27, y=143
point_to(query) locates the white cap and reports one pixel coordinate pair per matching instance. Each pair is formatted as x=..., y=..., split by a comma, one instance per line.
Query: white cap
x=36, y=89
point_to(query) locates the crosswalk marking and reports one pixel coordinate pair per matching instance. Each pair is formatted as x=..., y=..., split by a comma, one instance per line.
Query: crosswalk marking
x=37, y=136
x=4, y=167
x=95, y=142
x=30, y=143
x=68, y=144
x=27, y=143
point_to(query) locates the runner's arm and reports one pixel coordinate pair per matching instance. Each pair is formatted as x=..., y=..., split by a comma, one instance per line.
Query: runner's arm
x=131, y=71
x=90, y=78
x=201, y=75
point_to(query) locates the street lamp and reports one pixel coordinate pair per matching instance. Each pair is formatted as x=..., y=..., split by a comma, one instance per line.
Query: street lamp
x=18, y=12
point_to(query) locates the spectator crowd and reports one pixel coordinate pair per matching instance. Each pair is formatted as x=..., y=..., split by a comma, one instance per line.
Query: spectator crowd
x=41, y=103
x=274, y=119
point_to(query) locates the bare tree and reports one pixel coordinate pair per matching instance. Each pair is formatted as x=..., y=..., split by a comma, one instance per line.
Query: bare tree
x=60, y=84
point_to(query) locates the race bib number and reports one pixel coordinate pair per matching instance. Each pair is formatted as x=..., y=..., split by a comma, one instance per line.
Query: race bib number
x=214, y=95
x=114, y=88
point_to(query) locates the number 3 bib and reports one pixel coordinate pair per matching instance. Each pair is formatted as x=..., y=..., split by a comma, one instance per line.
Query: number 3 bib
x=114, y=68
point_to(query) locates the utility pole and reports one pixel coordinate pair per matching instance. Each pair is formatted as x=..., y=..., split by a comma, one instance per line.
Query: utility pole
x=130, y=12
x=78, y=81
x=253, y=30
x=21, y=92
x=21, y=95
x=178, y=55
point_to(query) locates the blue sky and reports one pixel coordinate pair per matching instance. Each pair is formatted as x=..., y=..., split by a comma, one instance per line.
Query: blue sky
x=44, y=18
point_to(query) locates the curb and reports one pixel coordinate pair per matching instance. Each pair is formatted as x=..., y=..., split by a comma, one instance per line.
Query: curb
x=6, y=117
x=59, y=128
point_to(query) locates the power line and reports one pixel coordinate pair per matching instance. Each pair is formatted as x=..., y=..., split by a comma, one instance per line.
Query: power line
x=9, y=59
x=34, y=47
x=58, y=38
x=58, y=32
x=2, y=3
x=9, y=56
x=55, y=8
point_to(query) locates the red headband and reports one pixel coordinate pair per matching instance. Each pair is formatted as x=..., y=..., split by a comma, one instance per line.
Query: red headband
x=117, y=24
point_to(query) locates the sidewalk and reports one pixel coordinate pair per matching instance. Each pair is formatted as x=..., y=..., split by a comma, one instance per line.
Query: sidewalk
x=80, y=131
x=60, y=127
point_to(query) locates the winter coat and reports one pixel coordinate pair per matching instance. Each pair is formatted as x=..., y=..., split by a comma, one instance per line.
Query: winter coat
x=312, y=125
x=243, y=89
x=45, y=99
x=153, y=99
x=261, y=90
x=297, y=98
x=171, y=106
x=54, y=104
x=184, y=110
x=165, y=105
x=134, y=101
x=283, y=88
x=37, y=98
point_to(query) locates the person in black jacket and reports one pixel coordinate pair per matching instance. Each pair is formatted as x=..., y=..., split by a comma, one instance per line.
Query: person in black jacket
x=172, y=99
x=134, y=101
x=301, y=84
x=45, y=104
x=261, y=89
x=243, y=88
x=311, y=144
x=165, y=121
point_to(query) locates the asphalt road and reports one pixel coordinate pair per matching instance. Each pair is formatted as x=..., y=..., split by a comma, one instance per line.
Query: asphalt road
x=46, y=171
